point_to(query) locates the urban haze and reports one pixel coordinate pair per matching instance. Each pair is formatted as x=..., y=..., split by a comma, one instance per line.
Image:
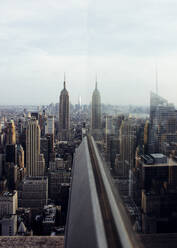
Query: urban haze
x=121, y=42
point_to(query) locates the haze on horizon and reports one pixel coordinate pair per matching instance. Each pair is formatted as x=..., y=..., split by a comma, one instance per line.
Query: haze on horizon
x=120, y=41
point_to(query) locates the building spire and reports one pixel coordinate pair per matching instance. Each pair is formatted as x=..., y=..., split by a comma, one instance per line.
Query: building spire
x=156, y=78
x=64, y=81
x=96, y=84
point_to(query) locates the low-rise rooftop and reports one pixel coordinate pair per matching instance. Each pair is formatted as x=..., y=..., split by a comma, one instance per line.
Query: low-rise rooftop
x=157, y=159
x=8, y=193
x=32, y=241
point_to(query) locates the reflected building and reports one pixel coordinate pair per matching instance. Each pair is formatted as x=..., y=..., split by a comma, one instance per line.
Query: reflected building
x=64, y=119
x=111, y=140
x=128, y=133
x=96, y=113
x=158, y=193
x=163, y=121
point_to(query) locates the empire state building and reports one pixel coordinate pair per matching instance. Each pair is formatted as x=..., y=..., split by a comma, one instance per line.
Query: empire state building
x=96, y=113
x=64, y=122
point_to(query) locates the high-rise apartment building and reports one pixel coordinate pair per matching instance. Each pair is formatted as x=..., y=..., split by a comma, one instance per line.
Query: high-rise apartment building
x=64, y=119
x=34, y=162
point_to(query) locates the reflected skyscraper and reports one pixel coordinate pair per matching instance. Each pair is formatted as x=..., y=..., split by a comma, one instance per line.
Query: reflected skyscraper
x=163, y=121
x=96, y=111
x=64, y=120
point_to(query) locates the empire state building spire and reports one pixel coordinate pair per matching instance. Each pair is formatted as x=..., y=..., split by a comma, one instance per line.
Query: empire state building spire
x=64, y=83
x=96, y=85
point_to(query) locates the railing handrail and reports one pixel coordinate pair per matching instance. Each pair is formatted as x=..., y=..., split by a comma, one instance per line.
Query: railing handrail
x=125, y=232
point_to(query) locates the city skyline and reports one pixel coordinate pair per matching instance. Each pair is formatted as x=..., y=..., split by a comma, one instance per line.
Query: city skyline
x=120, y=41
x=88, y=123
x=59, y=167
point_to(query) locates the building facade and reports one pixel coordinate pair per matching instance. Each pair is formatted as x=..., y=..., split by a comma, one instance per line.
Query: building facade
x=8, y=225
x=33, y=157
x=50, y=125
x=8, y=203
x=33, y=193
x=163, y=123
x=10, y=133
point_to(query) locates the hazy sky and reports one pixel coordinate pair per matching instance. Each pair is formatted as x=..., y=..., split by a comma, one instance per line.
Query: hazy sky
x=120, y=41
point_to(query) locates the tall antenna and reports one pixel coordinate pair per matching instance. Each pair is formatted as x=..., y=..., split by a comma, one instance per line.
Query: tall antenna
x=64, y=80
x=156, y=78
x=96, y=81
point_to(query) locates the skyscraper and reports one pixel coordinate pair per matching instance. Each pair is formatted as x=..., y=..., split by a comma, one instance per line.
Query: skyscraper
x=34, y=161
x=10, y=133
x=64, y=120
x=96, y=111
